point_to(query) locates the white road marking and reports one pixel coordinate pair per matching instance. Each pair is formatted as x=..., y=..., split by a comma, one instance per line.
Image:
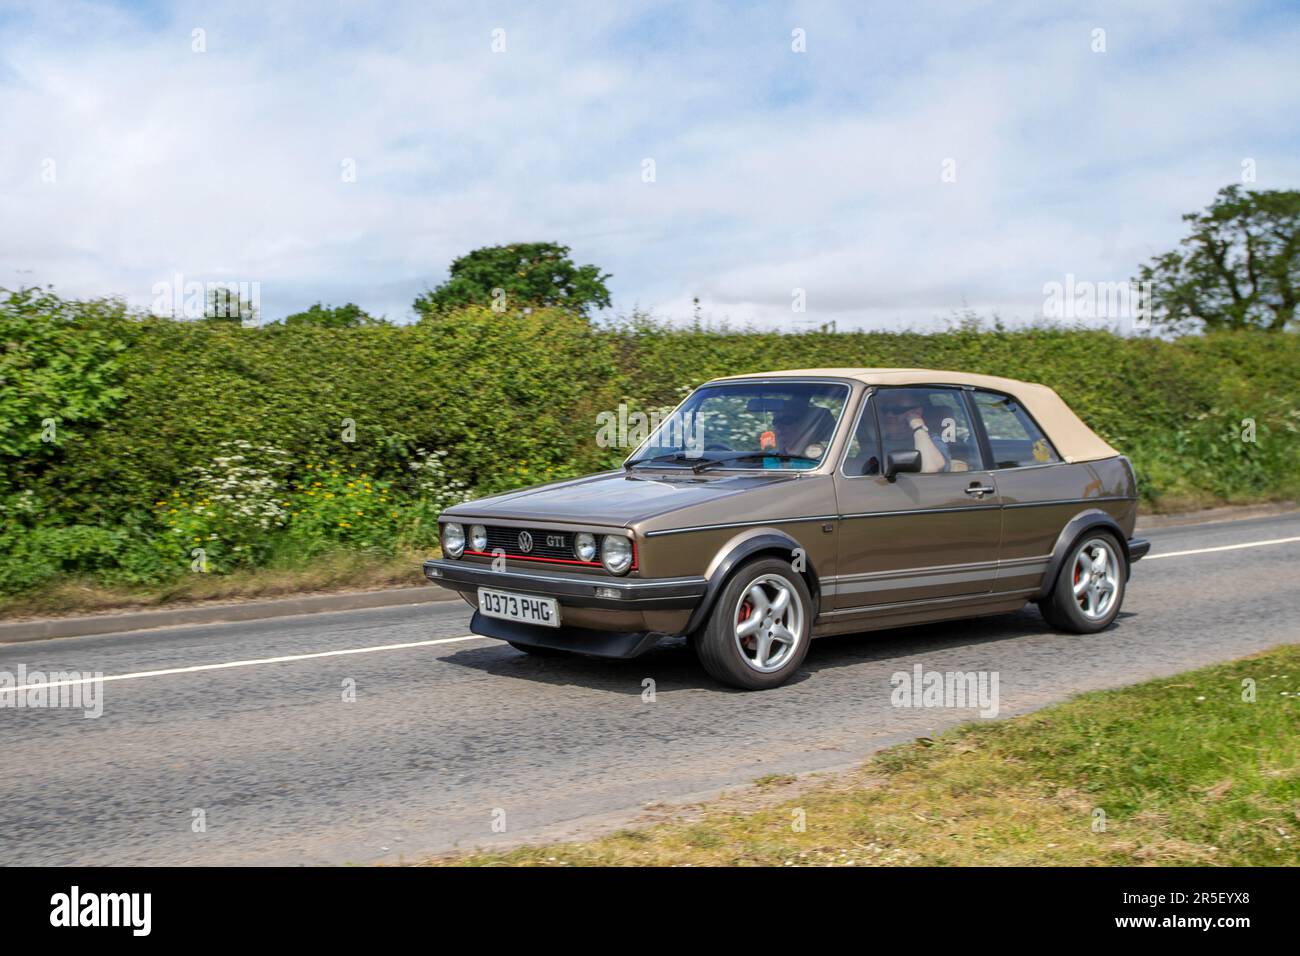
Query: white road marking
x=250, y=663
x=1222, y=547
x=473, y=637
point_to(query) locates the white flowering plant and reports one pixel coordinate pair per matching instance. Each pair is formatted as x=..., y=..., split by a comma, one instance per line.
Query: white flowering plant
x=225, y=516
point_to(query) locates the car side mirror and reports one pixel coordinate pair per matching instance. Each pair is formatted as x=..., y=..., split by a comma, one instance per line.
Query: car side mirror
x=897, y=462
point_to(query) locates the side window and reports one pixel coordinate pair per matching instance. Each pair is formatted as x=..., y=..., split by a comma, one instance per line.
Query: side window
x=1014, y=438
x=863, y=454
x=933, y=421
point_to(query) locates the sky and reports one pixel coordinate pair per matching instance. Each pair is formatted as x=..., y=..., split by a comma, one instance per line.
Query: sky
x=884, y=165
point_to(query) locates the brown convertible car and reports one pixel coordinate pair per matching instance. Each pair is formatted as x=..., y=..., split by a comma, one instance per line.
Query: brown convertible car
x=773, y=508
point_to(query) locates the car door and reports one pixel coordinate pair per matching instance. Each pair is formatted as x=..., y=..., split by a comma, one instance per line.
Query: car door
x=1040, y=492
x=931, y=536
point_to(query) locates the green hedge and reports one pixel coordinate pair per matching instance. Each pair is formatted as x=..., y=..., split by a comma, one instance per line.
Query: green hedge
x=268, y=444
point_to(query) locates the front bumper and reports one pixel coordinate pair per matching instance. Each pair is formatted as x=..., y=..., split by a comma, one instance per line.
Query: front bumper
x=573, y=590
x=606, y=625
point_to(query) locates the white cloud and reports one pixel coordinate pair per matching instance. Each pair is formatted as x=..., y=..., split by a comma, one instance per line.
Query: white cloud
x=775, y=170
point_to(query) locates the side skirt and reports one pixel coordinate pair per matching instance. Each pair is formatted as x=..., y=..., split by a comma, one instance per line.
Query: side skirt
x=880, y=616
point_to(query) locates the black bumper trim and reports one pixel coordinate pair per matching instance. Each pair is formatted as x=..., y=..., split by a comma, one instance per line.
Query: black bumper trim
x=657, y=594
x=1138, y=548
x=620, y=644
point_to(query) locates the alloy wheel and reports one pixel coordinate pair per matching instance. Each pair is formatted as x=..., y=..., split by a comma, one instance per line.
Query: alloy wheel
x=767, y=623
x=1094, y=578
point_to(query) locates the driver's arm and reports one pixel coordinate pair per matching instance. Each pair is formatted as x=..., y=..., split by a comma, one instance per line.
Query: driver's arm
x=932, y=459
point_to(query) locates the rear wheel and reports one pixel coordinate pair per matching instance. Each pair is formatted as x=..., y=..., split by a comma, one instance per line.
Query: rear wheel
x=1089, y=587
x=758, y=632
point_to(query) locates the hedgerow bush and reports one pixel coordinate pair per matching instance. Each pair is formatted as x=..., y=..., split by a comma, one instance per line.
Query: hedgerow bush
x=276, y=443
x=246, y=506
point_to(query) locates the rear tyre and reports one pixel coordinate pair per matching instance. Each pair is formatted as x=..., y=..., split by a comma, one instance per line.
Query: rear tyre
x=537, y=651
x=758, y=632
x=1089, y=588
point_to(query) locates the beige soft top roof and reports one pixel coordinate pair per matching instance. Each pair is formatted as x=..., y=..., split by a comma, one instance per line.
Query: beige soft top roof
x=1072, y=438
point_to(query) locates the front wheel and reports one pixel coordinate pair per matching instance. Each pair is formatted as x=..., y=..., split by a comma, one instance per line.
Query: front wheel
x=758, y=632
x=1089, y=587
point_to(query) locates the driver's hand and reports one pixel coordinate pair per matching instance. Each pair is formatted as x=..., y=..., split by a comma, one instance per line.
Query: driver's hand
x=915, y=419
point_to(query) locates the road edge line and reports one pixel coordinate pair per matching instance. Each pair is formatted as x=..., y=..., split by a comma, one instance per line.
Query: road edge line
x=95, y=624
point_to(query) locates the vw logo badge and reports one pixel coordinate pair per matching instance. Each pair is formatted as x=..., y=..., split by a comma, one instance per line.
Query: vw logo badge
x=525, y=542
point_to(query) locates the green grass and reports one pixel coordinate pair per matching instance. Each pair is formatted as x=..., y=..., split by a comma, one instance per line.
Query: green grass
x=1185, y=770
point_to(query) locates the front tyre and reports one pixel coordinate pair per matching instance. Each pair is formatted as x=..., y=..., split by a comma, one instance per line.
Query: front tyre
x=1089, y=587
x=758, y=632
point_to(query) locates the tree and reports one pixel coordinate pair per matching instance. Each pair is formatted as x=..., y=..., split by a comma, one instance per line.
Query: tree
x=510, y=278
x=225, y=303
x=1238, y=269
x=347, y=316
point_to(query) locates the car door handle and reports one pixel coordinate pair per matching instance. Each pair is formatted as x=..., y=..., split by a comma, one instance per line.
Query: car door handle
x=979, y=491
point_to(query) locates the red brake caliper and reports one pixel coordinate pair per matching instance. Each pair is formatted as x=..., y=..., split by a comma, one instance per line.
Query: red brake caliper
x=746, y=609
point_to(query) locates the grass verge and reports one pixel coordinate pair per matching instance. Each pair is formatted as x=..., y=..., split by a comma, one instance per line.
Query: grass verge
x=1185, y=770
x=339, y=571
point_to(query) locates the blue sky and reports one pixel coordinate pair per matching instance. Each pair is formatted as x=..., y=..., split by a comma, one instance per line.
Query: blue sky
x=774, y=170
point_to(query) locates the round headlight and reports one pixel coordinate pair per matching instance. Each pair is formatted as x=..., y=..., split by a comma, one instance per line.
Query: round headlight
x=477, y=537
x=615, y=553
x=453, y=540
x=584, y=546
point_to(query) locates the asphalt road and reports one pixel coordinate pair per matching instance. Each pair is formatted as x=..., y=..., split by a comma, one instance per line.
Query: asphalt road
x=446, y=739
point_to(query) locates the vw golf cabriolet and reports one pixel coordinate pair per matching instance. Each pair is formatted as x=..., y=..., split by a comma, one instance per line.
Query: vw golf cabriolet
x=770, y=509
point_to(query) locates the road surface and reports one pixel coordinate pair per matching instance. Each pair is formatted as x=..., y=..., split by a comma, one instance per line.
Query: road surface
x=452, y=733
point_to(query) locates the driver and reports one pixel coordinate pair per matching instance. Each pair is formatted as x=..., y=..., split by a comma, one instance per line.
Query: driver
x=802, y=428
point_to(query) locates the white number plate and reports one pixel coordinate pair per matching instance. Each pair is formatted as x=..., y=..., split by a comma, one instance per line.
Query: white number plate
x=519, y=607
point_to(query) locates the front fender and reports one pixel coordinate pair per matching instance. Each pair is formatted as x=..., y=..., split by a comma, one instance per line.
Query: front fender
x=739, y=550
x=1094, y=519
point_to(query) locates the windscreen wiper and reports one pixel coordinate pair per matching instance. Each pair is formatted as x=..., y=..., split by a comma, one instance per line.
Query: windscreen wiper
x=676, y=456
x=755, y=456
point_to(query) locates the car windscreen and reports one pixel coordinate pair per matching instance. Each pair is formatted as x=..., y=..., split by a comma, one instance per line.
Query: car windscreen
x=750, y=425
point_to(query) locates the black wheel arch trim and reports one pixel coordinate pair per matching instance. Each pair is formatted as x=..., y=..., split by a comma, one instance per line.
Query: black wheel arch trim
x=1093, y=519
x=766, y=541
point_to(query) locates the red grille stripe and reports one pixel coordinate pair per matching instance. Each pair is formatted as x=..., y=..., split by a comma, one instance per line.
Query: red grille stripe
x=524, y=557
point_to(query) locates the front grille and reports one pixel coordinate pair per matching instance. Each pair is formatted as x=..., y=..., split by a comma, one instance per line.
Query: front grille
x=546, y=545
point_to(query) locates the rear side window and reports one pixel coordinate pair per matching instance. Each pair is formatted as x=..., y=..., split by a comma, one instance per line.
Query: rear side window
x=1013, y=437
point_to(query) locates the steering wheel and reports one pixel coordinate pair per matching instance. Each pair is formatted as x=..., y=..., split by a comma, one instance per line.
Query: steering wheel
x=718, y=446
